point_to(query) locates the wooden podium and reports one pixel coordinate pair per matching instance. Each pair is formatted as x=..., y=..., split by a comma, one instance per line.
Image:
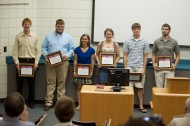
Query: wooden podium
x=100, y=105
x=170, y=101
x=180, y=85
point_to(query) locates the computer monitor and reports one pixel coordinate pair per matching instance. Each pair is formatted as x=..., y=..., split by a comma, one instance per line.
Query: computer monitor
x=118, y=77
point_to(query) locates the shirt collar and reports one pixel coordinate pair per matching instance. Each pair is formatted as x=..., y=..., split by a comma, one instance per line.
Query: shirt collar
x=139, y=39
x=30, y=34
x=12, y=119
x=169, y=39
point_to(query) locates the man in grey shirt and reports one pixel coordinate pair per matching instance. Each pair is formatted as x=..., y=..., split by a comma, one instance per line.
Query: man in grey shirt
x=165, y=46
x=16, y=113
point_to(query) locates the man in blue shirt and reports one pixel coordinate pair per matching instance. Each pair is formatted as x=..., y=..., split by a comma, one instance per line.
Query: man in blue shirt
x=57, y=40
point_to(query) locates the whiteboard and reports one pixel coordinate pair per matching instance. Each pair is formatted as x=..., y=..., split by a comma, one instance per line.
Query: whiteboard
x=151, y=14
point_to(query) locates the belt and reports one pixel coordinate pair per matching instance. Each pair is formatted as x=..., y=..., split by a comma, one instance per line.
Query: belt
x=26, y=60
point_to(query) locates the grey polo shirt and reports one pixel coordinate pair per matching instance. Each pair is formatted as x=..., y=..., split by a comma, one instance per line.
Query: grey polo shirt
x=162, y=48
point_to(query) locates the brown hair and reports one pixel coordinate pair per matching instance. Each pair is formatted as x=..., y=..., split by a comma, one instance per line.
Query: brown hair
x=166, y=25
x=135, y=25
x=64, y=109
x=14, y=104
x=60, y=21
x=26, y=20
x=110, y=30
x=88, y=37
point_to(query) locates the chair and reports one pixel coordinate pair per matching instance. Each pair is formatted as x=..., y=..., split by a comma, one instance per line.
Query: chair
x=84, y=123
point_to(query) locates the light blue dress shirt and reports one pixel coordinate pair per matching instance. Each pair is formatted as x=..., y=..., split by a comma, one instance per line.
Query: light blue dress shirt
x=54, y=42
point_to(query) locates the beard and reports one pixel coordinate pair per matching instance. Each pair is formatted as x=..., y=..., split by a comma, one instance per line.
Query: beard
x=165, y=34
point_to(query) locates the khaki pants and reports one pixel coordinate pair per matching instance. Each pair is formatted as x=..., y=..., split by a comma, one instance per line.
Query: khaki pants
x=56, y=74
x=160, y=77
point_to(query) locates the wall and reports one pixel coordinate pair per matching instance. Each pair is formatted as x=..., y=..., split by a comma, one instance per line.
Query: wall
x=76, y=13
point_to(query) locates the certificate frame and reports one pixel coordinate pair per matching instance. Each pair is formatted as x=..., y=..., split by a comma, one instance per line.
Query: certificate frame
x=23, y=66
x=138, y=77
x=53, y=55
x=166, y=58
x=112, y=59
x=79, y=70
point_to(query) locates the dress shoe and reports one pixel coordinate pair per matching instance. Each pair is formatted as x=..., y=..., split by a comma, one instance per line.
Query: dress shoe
x=31, y=104
x=46, y=107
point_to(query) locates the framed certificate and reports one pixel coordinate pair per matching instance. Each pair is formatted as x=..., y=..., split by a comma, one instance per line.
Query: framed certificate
x=26, y=70
x=107, y=59
x=54, y=58
x=135, y=77
x=83, y=70
x=164, y=62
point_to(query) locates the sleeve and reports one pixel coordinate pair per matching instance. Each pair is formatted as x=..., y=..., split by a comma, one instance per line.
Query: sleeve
x=70, y=48
x=154, y=47
x=44, y=46
x=176, y=48
x=125, y=47
x=15, y=51
x=92, y=51
x=146, y=49
x=38, y=51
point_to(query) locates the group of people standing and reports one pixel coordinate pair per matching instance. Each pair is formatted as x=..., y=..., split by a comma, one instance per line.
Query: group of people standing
x=135, y=56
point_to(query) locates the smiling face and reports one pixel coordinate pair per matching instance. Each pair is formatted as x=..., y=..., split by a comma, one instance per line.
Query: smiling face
x=59, y=28
x=109, y=35
x=85, y=40
x=136, y=32
x=26, y=26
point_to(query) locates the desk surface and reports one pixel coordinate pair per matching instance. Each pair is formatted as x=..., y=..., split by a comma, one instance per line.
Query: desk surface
x=107, y=90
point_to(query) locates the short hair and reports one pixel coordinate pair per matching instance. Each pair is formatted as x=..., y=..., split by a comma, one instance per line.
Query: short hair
x=14, y=104
x=26, y=20
x=64, y=109
x=166, y=25
x=135, y=25
x=110, y=30
x=60, y=21
x=88, y=37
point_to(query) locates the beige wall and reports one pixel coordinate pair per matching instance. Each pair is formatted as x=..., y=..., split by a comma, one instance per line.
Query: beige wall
x=76, y=13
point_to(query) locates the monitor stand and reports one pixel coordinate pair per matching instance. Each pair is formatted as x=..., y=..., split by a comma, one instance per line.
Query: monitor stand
x=117, y=88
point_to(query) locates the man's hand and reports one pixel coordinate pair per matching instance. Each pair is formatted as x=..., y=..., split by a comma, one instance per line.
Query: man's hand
x=156, y=66
x=18, y=67
x=64, y=57
x=35, y=67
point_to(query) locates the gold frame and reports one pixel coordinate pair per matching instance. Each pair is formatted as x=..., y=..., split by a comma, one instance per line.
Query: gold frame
x=164, y=57
x=86, y=65
x=52, y=54
x=107, y=54
x=26, y=65
x=135, y=73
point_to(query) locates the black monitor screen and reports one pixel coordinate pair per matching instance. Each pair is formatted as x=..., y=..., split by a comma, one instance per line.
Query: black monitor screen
x=118, y=76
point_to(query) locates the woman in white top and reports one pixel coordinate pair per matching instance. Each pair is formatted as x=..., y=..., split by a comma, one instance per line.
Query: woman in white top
x=106, y=46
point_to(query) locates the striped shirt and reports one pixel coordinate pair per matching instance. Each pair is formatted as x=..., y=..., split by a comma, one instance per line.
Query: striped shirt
x=135, y=50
